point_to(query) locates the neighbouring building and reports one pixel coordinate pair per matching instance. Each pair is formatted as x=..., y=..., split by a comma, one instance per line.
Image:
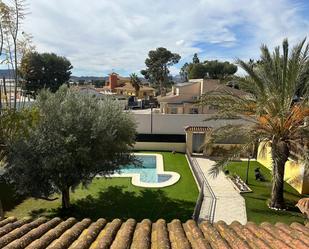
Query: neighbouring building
x=296, y=173
x=122, y=86
x=183, y=97
x=196, y=139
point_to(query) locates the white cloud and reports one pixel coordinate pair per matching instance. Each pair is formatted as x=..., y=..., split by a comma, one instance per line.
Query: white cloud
x=101, y=35
x=180, y=42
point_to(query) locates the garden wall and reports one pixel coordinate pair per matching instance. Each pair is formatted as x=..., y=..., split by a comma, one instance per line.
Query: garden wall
x=175, y=123
x=295, y=173
x=160, y=146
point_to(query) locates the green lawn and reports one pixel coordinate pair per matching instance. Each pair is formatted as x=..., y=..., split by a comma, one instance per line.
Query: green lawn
x=256, y=202
x=118, y=198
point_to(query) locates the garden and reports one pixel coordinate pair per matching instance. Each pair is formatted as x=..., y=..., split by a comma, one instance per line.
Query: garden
x=257, y=200
x=117, y=198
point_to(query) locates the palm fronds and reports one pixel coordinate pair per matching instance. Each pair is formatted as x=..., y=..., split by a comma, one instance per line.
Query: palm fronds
x=276, y=107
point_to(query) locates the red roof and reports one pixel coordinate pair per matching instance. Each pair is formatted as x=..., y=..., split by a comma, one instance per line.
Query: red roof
x=58, y=234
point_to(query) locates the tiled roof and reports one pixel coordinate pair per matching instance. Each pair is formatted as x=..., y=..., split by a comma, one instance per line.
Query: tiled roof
x=117, y=234
x=213, y=86
x=198, y=128
x=128, y=86
x=174, y=99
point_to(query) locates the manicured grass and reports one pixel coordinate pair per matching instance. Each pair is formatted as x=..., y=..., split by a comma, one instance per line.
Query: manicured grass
x=118, y=198
x=256, y=202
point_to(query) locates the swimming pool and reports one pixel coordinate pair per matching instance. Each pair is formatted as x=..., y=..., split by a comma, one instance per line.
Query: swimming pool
x=150, y=174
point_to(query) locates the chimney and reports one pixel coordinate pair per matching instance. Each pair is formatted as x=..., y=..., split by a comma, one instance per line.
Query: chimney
x=113, y=80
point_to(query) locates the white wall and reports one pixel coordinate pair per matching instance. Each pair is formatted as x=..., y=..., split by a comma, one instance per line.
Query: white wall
x=175, y=123
x=160, y=146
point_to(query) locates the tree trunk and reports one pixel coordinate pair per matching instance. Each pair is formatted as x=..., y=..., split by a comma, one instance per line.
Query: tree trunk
x=66, y=198
x=1, y=211
x=280, y=154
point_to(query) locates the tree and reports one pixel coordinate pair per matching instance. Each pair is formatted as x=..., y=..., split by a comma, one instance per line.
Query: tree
x=273, y=115
x=157, y=65
x=13, y=124
x=12, y=15
x=99, y=83
x=219, y=70
x=195, y=59
x=44, y=71
x=136, y=83
x=197, y=71
x=184, y=72
x=208, y=69
x=77, y=137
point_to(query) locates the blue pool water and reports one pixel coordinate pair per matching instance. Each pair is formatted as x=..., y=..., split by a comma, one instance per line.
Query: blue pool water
x=148, y=170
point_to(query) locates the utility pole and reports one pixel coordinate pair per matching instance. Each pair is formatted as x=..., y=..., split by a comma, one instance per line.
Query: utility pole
x=151, y=106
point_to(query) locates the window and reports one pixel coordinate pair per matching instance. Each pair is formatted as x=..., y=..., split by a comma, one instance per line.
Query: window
x=173, y=110
x=194, y=110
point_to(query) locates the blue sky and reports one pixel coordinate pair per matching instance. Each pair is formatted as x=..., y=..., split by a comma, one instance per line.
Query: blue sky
x=99, y=36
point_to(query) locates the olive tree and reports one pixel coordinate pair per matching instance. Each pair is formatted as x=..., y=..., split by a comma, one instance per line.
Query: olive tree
x=77, y=137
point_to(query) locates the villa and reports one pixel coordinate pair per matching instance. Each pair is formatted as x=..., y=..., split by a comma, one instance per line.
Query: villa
x=183, y=97
x=122, y=86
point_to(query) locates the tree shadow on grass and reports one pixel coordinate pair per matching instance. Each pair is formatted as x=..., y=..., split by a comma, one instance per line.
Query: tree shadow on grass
x=116, y=202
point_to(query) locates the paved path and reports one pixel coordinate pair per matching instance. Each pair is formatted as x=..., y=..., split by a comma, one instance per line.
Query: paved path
x=229, y=204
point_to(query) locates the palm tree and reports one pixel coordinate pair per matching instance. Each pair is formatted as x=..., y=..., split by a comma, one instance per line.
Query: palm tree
x=276, y=110
x=136, y=83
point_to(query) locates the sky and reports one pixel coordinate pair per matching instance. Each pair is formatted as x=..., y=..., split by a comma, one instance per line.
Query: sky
x=101, y=36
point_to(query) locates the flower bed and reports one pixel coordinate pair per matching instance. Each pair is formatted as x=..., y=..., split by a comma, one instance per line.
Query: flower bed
x=239, y=184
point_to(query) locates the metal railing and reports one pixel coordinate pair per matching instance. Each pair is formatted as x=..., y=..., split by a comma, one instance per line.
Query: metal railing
x=198, y=205
x=206, y=194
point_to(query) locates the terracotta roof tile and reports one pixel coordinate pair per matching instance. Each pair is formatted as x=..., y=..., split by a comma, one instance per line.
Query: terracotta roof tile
x=234, y=239
x=52, y=234
x=213, y=236
x=19, y=232
x=266, y=236
x=300, y=228
x=159, y=235
x=69, y=236
x=116, y=234
x=89, y=235
x=177, y=235
x=11, y=226
x=198, y=128
x=142, y=235
x=195, y=235
x=249, y=236
x=295, y=234
x=7, y=221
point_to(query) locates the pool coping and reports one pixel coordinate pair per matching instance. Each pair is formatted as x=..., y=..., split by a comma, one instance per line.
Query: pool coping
x=160, y=171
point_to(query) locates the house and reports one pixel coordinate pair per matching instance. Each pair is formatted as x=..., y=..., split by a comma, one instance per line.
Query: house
x=122, y=86
x=145, y=234
x=196, y=139
x=145, y=92
x=183, y=97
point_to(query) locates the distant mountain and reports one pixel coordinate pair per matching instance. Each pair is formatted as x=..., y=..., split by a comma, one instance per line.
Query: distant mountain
x=87, y=78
